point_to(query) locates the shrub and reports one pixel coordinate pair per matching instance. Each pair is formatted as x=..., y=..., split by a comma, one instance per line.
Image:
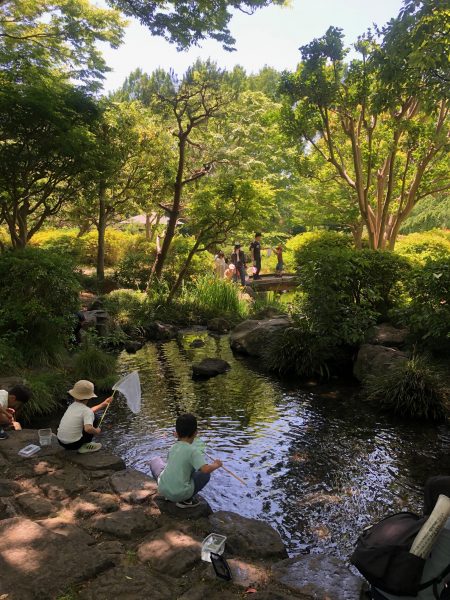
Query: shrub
x=63, y=241
x=410, y=389
x=128, y=308
x=428, y=312
x=345, y=291
x=38, y=300
x=117, y=244
x=133, y=270
x=97, y=366
x=266, y=304
x=48, y=390
x=429, y=245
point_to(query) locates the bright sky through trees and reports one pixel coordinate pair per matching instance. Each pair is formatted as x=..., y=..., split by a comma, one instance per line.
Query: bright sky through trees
x=269, y=37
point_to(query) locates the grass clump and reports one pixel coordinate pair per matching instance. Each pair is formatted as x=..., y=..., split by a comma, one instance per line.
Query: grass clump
x=296, y=351
x=97, y=366
x=48, y=390
x=414, y=389
x=210, y=297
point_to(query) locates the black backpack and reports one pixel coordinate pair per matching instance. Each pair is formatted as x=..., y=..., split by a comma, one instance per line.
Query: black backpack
x=382, y=556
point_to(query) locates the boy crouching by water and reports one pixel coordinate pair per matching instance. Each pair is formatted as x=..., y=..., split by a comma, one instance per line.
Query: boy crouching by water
x=186, y=472
x=79, y=423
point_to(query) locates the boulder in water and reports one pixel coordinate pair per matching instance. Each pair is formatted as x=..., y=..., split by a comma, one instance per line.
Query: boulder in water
x=376, y=360
x=209, y=367
x=251, y=337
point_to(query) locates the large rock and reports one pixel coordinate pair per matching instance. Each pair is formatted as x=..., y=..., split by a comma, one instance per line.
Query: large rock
x=209, y=367
x=376, y=360
x=248, y=538
x=38, y=563
x=133, y=486
x=203, y=509
x=386, y=334
x=132, y=346
x=8, y=488
x=125, y=524
x=97, y=461
x=251, y=337
x=318, y=577
x=130, y=582
x=170, y=551
x=219, y=325
x=161, y=332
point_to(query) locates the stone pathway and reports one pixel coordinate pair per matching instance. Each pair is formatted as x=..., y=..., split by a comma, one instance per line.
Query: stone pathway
x=83, y=527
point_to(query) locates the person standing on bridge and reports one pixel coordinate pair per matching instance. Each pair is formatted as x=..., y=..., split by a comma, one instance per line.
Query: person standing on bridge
x=280, y=265
x=238, y=260
x=255, y=249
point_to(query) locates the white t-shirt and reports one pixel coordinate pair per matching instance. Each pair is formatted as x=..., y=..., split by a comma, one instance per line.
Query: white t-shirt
x=4, y=398
x=439, y=559
x=72, y=424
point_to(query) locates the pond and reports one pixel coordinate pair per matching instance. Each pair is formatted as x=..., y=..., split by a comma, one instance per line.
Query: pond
x=319, y=464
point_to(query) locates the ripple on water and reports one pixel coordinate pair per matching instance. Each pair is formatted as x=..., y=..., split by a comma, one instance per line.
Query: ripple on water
x=313, y=470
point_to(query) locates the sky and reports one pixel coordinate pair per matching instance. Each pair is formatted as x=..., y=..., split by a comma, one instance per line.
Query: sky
x=271, y=37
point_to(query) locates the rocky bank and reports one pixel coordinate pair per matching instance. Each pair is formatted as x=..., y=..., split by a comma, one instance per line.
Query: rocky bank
x=85, y=527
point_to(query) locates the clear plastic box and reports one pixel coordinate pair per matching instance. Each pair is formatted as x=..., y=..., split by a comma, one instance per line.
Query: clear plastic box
x=213, y=543
x=45, y=437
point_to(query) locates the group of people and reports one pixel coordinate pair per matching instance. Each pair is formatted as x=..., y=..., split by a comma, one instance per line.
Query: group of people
x=235, y=268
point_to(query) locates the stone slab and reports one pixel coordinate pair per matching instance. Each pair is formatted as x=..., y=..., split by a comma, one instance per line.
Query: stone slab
x=33, y=558
x=247, y=538
x=133, y=486
x=63, y=483
x=68, y=530
x=170, y=508
x=35, y=506
x=93, y=503
x=170, y=551
x=126, y=524
x=97, y=461
x=130, y=582
x=8, y=488
x=318, y=577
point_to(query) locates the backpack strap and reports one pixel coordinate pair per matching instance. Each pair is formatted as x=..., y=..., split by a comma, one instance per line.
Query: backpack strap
x=435, y=582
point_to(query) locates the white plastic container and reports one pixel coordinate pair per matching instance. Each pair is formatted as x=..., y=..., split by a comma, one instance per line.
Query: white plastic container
x=45, y=437
x=213, y=543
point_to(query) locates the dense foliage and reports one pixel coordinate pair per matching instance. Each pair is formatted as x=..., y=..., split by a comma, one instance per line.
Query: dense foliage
x=38, y=302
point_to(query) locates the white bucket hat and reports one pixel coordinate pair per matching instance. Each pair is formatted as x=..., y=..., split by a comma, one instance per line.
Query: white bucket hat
x=83, y=390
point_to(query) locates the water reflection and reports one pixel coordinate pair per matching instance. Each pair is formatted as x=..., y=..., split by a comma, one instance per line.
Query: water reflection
x=318, y=468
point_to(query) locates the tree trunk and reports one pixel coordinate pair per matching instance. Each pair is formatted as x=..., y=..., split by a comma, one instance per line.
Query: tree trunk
x=357, y=231
x=154, y=228
x=183, y=271
x=101, y=229
x=175, y=210
x=148, y=227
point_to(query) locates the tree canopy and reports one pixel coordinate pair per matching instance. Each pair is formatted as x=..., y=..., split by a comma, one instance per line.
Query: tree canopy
x=184, y=23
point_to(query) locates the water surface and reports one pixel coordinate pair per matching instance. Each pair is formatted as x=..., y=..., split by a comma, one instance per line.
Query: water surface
x=319, y=466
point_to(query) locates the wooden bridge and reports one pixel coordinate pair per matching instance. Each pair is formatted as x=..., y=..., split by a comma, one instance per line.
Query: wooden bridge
x=273, y=283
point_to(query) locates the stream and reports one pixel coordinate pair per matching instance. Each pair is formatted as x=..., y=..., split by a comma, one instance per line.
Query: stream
x=320, y=465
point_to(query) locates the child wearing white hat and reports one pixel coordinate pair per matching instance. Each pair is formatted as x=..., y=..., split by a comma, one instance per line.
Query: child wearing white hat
x=79, y=424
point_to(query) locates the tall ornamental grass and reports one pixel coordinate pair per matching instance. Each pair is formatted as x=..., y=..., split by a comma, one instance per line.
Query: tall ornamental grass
x=212, y=297
x=414, y=389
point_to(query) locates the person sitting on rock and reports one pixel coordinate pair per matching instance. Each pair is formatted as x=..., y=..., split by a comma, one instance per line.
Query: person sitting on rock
x=79, y=423
x=186, y=472
x=11, y=404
